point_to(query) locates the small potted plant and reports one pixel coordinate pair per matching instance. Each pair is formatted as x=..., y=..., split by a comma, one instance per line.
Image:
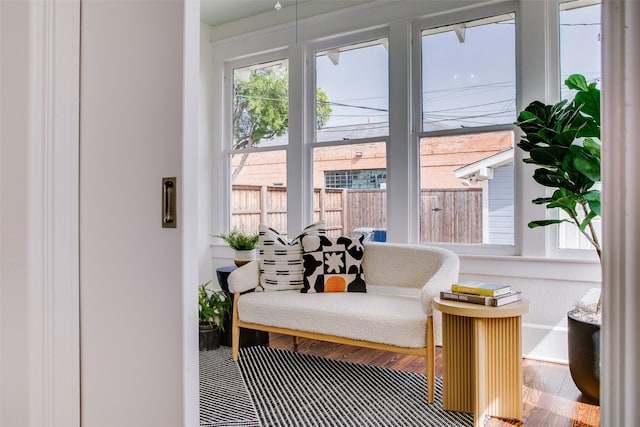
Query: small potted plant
x=563, y=141
x=212, y=309
x=244, y=245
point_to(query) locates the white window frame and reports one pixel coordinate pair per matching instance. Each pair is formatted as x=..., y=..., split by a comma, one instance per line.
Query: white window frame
x=228, y=131
x=553, y=233
x=418, y=27
x=310, y=95
x=334, y=43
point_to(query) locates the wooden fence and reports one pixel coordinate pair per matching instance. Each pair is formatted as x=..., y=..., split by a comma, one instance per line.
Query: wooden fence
x=450, y=215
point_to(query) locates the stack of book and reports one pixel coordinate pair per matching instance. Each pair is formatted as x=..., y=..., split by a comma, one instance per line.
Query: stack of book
x=491, y=294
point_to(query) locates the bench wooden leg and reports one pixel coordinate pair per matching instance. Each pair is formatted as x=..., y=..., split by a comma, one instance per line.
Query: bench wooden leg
x=235, y=329
x=296, y=341
x=430, y=359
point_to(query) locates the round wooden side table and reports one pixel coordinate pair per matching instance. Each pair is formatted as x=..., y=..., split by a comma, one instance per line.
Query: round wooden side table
x=482, y=358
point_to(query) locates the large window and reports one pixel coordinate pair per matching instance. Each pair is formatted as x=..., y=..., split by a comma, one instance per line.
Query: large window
x=417, y=110
x=467, y=178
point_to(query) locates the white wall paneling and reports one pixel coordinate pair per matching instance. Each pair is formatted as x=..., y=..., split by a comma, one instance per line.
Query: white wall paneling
x=39, y=285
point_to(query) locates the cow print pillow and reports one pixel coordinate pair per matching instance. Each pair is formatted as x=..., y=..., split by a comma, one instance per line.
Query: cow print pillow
x=333, y=264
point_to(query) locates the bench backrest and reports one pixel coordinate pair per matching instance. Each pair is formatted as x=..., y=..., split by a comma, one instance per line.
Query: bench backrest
x=406, y=266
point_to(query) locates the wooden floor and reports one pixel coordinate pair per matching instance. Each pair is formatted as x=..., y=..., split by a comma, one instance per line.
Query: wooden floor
x=550, y=397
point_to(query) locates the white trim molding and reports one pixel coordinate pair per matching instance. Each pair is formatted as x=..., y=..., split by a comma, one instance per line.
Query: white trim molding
x=190, y=213
x=40, y=286
x=620, y=382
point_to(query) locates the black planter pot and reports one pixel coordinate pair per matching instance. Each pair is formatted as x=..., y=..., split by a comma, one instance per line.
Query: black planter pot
x=209, y=337
x=584, y=356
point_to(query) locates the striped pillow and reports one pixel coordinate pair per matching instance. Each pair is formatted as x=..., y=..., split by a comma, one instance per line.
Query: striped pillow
x=281, y=260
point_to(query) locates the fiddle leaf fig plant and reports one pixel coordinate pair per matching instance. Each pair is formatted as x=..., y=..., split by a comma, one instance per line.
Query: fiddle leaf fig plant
x=563, y=141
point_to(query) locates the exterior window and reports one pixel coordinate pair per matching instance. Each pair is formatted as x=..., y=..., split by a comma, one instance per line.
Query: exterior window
x=350, y=187
x=373, y=178
x=468, y=74
x=580, y=47
x=352, y=95
x=259, y=191
x=260, y=120
x=466, y=188
x=467, y=179
x=260, y=105
x=580, y=41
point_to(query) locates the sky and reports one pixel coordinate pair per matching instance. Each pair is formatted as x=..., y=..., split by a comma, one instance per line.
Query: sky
x=464, y=84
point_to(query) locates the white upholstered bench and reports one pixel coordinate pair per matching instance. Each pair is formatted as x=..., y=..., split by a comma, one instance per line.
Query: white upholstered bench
x=395, y=314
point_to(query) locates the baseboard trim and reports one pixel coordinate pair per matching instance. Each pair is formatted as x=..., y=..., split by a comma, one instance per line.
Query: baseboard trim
x=544, y=343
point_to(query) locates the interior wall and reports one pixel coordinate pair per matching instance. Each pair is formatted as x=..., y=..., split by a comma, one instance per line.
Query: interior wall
x=544, y=328
x=131, y=132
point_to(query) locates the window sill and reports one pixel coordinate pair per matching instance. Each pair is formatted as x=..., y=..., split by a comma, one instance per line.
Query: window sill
x=569, y=270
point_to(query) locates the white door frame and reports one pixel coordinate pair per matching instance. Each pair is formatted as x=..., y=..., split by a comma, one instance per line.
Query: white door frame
x=39, y=336
x=39, y=218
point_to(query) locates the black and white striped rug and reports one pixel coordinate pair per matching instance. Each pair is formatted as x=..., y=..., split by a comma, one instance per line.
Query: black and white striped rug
x=224, y=398
x=293, y=389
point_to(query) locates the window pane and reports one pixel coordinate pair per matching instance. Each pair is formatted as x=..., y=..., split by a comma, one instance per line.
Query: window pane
x=260, y=105
x=352, y=92
x=354, y=199
x=259, y=190
x=580, y=42
x=364, y=178
x=468, y=74
x=467, y=189
x=580, y=47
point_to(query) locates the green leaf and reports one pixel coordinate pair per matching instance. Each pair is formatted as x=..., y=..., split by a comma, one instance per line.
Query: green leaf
x=592, y=196
x=526, y=116
x=588, y=129
x=542, y=200
x=586, y=163
x=565, y=138
x=550, y=178
x=565, y=204
x=592, y=146
x=587, y=220
x=545, y=222
x=595, y=207
x=589, y=102
x=548, y=156
x=577, y=82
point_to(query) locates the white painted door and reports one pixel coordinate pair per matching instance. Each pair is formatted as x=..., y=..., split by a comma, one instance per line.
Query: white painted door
x=132, y=134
